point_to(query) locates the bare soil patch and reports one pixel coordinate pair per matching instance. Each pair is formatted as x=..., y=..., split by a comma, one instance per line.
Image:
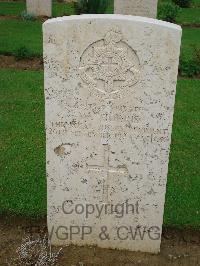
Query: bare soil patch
x=179, y=247
x=25, y=64
x=190, y=25
x=12, y=1
x=2, y=17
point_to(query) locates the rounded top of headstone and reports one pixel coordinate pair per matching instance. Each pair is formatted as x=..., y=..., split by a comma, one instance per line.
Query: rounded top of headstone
x=138, y=19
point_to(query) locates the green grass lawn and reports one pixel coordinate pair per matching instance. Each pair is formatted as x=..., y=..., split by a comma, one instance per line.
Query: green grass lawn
x=186, y=15
x=18, y=33
x=62, y=9
x=189, y=16
x=22, y=141
x=190, y=40
x=182, y=206
x=194, y=3
x=12, y=8
x=23, y=185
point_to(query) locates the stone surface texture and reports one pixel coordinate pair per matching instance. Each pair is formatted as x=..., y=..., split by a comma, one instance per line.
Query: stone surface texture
x=39, y=7
x=143, y=8
x=110, y=84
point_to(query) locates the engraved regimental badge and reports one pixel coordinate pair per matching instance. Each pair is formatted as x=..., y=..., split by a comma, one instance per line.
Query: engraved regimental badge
x=109, y=65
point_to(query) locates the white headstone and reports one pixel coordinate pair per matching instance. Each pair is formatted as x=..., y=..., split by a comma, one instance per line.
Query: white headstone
x=110, y=84
x=39, y=7
x=143, y=8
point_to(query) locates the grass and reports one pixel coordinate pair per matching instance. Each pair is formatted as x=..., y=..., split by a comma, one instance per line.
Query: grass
x=62, y=9
x=23, y=186
x=22, y=182
x=182, y=206
x=186, y=16
x=12, y=8
x=17, y=33
x=189, y=16
x=196, y=3
x=190, y=39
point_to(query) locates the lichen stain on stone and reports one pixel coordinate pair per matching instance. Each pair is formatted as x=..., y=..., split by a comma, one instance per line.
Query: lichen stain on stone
x=60, y=150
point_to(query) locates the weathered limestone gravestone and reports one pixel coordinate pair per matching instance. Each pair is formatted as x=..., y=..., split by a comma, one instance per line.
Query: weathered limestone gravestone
x=39, y=7
x=110, y=84
x=143, y=8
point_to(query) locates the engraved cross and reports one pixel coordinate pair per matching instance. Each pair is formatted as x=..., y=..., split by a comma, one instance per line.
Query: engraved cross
x=109, y=68
x=106, y=170
x=109, y=60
